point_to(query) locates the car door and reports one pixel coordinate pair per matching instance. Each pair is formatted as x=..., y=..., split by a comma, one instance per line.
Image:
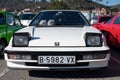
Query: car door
x=116, y=29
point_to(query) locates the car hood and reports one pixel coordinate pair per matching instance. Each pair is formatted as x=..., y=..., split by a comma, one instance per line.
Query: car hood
x=65, y=36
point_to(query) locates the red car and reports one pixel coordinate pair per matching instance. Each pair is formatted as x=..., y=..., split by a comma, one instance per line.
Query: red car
x=111, y=30
x=97, y=20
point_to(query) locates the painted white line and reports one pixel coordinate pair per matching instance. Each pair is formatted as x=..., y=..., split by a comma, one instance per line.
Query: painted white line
x=115, y=60
x=3, y=72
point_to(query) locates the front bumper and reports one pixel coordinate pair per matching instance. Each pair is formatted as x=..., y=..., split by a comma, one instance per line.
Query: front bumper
x=80, y=64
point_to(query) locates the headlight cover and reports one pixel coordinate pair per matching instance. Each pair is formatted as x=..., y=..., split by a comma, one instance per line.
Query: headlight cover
x=20, y=39
x=93, y=40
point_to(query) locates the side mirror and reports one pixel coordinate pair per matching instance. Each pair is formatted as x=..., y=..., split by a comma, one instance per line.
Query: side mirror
x=93, y=22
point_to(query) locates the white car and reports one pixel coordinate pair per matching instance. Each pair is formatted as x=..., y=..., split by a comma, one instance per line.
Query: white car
x=26, y=17
x=58, y=40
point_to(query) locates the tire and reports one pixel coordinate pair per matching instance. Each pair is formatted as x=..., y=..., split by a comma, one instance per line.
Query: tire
x=2, y=46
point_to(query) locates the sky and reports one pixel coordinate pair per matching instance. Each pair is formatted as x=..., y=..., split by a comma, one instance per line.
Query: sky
x=110, y=2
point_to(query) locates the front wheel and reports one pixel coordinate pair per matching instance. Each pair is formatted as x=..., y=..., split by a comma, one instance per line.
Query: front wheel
x=2, y=46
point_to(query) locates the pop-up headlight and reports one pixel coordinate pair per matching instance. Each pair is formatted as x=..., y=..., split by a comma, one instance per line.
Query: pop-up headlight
x=93, y=39
x=20, y=39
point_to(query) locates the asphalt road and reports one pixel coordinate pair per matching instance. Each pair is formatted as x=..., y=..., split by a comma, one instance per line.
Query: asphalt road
x=113, y=73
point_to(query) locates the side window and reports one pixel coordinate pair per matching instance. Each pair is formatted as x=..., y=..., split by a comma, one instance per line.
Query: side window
x=117, y=21
x=2, y=18
x=10, y=19
x=17, y=21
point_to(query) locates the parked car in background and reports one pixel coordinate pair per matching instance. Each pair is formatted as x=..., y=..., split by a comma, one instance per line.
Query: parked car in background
x=111, y=30
x=26, y=17
x=97, y=20
x=9, y=23
x=58, y=40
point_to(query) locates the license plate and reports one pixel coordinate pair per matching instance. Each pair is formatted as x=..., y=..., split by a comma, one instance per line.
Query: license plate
x=56, y=59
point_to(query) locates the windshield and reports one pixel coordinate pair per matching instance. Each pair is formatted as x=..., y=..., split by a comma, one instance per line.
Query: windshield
x=51, y=18
x=1, y=18
x=110, y=20
x=26, y=16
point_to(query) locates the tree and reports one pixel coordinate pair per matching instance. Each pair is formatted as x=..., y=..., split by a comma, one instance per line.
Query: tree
x=56, y=4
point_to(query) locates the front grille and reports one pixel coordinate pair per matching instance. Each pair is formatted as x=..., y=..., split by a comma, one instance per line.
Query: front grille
x=57, y=65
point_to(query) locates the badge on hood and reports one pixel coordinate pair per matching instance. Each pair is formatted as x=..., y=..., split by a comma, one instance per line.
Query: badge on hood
x=57, y=43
